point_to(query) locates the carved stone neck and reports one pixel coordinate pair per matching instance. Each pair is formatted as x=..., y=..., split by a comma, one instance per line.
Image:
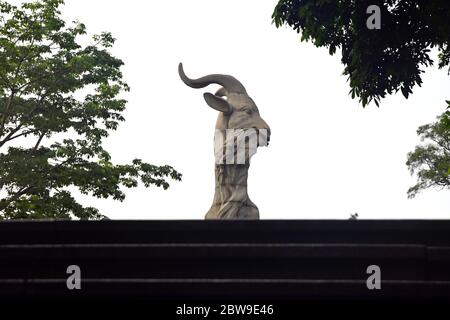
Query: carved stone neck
x=231, y=199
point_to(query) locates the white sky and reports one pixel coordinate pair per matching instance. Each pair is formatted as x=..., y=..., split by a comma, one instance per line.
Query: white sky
x=328, y=157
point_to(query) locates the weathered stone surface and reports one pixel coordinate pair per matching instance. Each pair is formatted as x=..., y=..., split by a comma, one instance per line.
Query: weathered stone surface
x=231, y=199
x=237, y=111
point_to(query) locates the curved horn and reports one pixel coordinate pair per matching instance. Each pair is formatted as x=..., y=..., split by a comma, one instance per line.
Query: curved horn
x=222, y=92
x=231, y=84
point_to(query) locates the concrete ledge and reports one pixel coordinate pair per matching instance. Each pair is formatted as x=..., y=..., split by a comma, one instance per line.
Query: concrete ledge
x=286, y=259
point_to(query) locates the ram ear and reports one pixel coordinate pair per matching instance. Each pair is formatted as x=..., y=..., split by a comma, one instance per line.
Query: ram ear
x=218, y=103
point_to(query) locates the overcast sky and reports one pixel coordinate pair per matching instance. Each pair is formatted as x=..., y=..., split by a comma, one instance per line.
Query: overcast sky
x=328, y=157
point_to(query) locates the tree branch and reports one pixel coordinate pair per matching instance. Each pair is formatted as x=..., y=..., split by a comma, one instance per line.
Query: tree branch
x=18, y=194
x=8, y=137
x=5, y=115
x=42, y=135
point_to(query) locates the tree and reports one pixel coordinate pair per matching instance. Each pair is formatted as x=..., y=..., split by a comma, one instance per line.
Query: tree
x=354, y=216
x=377, y=62
x=53, y=137
x=431, y=161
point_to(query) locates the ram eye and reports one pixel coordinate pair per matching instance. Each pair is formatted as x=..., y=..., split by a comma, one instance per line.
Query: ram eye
x=247, y=110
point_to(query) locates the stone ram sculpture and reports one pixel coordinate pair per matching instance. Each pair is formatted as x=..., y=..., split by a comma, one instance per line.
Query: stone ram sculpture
x=239, y=131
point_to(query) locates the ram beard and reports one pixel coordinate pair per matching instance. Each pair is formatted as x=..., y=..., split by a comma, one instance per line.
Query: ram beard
x=239, y=145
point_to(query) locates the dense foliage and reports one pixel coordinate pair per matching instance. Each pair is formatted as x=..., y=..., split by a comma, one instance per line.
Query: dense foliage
x=377, y=62
x=431, y=160
x=50, y=138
